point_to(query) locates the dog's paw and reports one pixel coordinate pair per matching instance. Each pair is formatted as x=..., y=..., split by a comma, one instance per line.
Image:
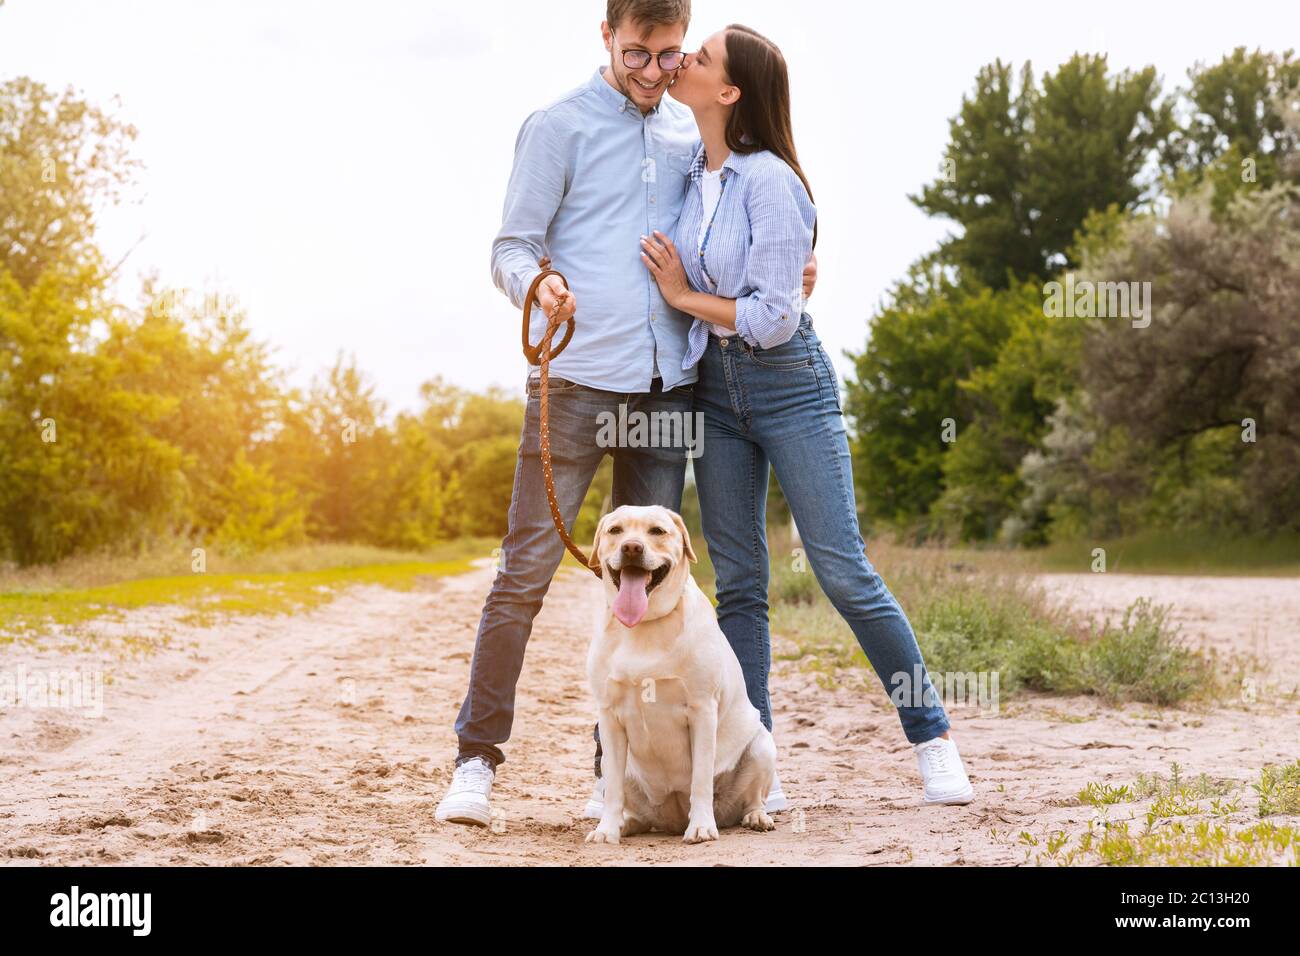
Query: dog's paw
x=700, y=832
x=758, y=820
x=602, y=836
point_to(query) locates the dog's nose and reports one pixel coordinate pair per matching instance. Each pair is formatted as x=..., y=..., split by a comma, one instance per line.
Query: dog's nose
x=633, y=549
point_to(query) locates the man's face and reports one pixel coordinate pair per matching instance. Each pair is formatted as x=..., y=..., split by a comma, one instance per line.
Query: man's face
x=646, y=86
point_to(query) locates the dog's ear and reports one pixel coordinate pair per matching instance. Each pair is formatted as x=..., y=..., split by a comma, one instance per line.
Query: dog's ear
x=686, y=537
x=593, y=559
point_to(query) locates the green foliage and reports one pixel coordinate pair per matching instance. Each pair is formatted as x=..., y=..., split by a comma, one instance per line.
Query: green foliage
x=1279, y=789
x=976, y=415
x=1237, y=135
x=61, y=159
x=908, y=382
x=1172, y=843
x=988, y=618
x=1012, y=399
x=1205, y=396
x=1143, y=658
x=281, y=582
x=1070, y=428
x=1189, y=551
x=487, y=467
x=80, y=463
x=472, y=443
x=261, y=512
x=1003, y=629
x=1098, y=795
x=980, y=187
x=120, y=426
x=1025, y=166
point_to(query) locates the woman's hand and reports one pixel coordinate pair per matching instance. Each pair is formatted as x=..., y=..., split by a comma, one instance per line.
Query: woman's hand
x=810, y=275
x=660, y=257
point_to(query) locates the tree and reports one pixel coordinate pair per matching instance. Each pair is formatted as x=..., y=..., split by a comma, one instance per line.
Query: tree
x=81, y=465
x=352, y=446
x=1023, y=169
x=905, y=399
x=60, y=160
x=1238, y=106
x=477, y=440
x=422, y=503
x=200, y=354
x=982, y=187
x=1221, y=355
x=1011, y=400
x=260, y=512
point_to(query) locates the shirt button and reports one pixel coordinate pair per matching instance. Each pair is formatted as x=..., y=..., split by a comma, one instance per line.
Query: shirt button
x=722, y=343
x=652, y=198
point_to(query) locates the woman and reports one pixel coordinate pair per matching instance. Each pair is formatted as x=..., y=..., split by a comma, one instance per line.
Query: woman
x=768, y=392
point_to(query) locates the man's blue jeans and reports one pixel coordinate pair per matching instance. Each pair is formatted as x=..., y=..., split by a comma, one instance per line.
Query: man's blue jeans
x=531, y=550
x=781, y=406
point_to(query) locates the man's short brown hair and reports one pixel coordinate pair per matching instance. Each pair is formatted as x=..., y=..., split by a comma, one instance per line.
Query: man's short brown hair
x=650, y=13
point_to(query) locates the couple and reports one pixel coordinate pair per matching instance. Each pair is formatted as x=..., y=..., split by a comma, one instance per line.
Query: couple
x=685, y=227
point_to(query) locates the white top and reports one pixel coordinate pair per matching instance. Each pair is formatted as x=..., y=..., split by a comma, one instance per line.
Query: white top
x=711, y=186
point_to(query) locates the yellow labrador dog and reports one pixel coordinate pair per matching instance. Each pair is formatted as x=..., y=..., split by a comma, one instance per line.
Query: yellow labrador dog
x=683, y=749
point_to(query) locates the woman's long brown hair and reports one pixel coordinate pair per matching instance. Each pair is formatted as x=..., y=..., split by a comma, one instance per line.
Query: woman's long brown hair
x=761, y=118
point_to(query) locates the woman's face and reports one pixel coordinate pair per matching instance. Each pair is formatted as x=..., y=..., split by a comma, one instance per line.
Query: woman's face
x=702, y=79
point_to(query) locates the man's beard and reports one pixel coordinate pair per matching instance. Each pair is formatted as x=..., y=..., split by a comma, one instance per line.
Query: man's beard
x=625, y=85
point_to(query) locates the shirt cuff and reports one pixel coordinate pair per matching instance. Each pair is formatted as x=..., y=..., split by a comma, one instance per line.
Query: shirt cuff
x=753, y=324
x=522, y=280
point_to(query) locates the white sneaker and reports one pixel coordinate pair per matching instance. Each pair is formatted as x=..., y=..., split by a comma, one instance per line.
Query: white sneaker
x=776, y=801
x=467, y=798
x=941, y=769
x=596, y=805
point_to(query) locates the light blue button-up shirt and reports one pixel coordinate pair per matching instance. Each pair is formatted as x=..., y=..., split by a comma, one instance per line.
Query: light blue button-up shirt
x=591, y=176
x=755, y=249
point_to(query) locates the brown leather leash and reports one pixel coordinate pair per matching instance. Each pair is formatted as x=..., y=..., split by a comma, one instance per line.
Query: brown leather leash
x=541, y=355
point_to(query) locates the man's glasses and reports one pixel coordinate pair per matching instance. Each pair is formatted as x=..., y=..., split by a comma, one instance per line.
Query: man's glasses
x=637, y=59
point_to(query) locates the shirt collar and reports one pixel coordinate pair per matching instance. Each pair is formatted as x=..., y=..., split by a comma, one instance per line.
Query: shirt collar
x=735, y=162
x=614, y=98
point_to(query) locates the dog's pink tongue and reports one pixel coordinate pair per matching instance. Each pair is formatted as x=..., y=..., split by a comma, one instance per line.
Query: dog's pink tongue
x=630, y=604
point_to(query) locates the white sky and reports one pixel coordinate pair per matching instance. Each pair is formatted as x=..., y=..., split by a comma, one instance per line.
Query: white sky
x=340, y=167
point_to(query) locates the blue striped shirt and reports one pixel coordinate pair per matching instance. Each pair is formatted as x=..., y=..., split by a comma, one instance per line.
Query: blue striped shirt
x=755, y=249
x=591, y=175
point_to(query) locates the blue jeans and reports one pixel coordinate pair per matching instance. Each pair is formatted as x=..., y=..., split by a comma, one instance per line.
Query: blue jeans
x=782, y=406
x=531, y=550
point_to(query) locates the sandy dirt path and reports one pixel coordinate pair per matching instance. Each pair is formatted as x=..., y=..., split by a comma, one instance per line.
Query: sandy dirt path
x=326, y=738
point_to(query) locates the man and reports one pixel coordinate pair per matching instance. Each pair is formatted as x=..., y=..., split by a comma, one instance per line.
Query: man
x=593, y=171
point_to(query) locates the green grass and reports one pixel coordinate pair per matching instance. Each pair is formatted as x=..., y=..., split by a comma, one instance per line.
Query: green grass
x=1157, y=785
x=282, y=582
x=1168, y=836
x=980, y=610
x=1168, y=843
x=981, y=614
x=973, y=612
x=1102, y=794
x=1279, y=789
x=1169, y=792
x=1178, y=553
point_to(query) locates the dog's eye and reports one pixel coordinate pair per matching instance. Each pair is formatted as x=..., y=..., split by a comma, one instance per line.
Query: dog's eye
x=657, y=530
x=614, y=530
